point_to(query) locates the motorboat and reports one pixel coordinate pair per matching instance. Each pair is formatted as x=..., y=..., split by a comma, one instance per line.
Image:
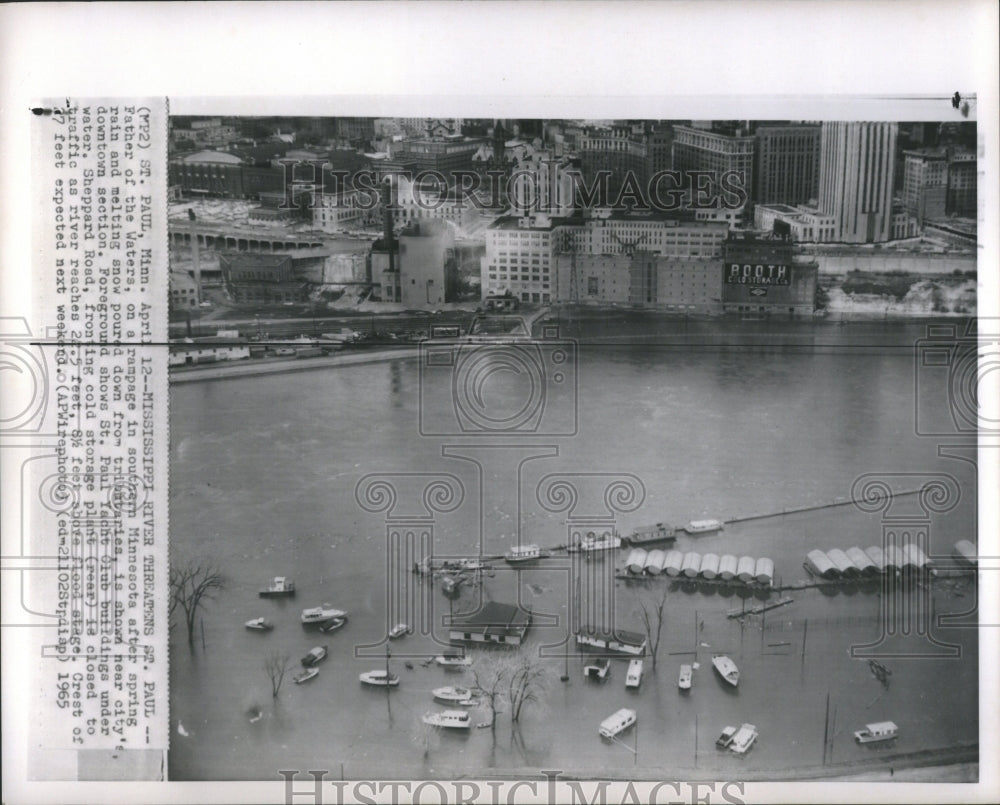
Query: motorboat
x=743, y=739
x=684, y=678
x=453, y=660
x=879, y=731
x=333, y=624
x=633, y=678
x=617, y=723
x=450, y=719
x=598, y=669
x=305, y=675
x=593, y=543
x=315, y=656
x=279, y=587
x=726, y=738
x=398, y=630
x=379, y=678
x=321, y=614
x=259, y=625
x=454, y=695
x=727, y=669
x=703, y=526
x=523, y=554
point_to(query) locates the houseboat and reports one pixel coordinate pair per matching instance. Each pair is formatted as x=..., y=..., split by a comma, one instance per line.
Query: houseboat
x=279, y=587
x=703, y=526
x=598, y=669
x=593, y=543
x=321, y=614
x=633, y=678
x=449, y=719
x=727, y=669
x=684, y=678
x=879, y=731
x=454, y=695
x=617, y=723
x=259, y=625
x=523, y=554
x=647, y=534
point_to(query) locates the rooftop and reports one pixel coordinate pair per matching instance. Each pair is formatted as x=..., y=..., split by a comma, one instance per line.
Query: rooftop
x=493, y=614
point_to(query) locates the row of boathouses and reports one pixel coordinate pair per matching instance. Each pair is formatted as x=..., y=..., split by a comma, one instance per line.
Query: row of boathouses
x=876, y=560
x=693, y=564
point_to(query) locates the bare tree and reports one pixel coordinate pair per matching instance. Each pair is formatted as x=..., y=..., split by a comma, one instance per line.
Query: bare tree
x=490, y=674
x=651, y=612
x=276, y=666
x=527, y=681
x=191, y=585
x=426, y=736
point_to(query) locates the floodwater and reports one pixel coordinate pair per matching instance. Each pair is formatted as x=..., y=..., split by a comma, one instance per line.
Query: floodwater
x=715, y=420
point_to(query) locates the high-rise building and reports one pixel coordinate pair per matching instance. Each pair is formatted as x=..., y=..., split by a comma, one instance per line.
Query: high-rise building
x=857, y=161
x=786, y=170
x=925, y=183
x=718, y=153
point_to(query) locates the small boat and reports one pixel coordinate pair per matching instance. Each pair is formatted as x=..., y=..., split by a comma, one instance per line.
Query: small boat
x=259, y=625
x=658, y=532
x=617, y=723
x=451, y=719
x=593, y=543
x=727, y=669
x=305, y=676
x=321, y=614
x=315, y=656
x=333, y=624
x=633, y=678
x=453, y=660
x=398, y=630
x=279, y=586
x=454, y=695
x=879, y=731
x=379, y=678
x=726, y=738
x=744, y=738
x=684, y=678
x=703, y=526
x=598, y=669
x=522, y=554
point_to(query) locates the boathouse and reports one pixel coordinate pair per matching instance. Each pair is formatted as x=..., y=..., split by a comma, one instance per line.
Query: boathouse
x=618, y=641
x=654, y=562
x=636, y=561
x=727, y=566
x=495, y=623
x=672, y=563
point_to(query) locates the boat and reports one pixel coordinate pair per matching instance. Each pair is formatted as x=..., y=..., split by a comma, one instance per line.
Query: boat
x=333, y=624
x=598, y=669
x=454, y=695
x=727, y=669
x=593, y=543
x=658, y=532
x=617, y=723
x=522, y=554
x=633, y=678
x=279, y=586
x=305, y=675
x=703, y=526
x=259, y=625
x=726, y=738
x=453, y=660
x=684, y=678
x=398, y=630
x=315, y=656
x=321, y=614
x=744, y=738
x=451, y=719
x=879, y=731
x=379, y=678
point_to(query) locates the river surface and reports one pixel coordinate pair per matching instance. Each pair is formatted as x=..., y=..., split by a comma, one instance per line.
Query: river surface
x=721, y=420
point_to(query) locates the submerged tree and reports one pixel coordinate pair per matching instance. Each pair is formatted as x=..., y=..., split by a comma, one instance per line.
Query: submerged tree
x=191, y=585
x=276, y=666
x=651, y=612
x=527, y=681
x=490, y=674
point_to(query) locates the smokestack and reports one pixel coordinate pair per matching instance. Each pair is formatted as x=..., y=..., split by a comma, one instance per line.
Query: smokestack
x=387, y=222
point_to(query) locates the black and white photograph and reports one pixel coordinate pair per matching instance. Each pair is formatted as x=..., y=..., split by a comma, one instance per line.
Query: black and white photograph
x=500, y=402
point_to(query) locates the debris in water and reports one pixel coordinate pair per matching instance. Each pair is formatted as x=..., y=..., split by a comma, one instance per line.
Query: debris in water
x=181, y=730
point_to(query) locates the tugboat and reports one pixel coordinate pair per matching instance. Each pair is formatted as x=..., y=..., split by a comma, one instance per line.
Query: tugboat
x=279, y=587
x=727, y=669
